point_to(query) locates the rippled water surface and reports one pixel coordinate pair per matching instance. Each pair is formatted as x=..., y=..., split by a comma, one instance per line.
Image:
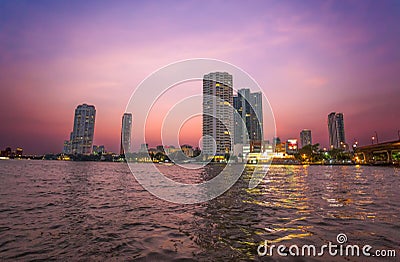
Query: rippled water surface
x=97, y=211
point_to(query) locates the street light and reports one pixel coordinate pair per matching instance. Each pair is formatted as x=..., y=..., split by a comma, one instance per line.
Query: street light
x=373, y=139
x=376, y=135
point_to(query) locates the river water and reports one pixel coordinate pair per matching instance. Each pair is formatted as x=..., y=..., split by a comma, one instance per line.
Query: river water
x=55, y=210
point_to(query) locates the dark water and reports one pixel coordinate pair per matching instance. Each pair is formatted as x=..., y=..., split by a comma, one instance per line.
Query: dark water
x=97, y=211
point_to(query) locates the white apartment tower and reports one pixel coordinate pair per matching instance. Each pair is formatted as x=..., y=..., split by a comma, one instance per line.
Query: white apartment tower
x=81, y=138
x=126, y=132
x=217, y=114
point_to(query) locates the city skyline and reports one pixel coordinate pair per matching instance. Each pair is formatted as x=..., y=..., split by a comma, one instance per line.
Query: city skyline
x=336, y=130
x=309, y=59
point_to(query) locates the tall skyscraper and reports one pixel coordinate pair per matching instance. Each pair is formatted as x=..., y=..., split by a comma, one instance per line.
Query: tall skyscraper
x=249, y=108
x=336, y=130
x=305, y=137
x=256, y=115
x=241, y=103
x=217, y=114
x=126, y=132
x=81, y=138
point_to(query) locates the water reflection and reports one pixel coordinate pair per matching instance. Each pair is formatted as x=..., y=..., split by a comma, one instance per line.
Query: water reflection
x=295, y=205
x=97, y=211
x=225, y=227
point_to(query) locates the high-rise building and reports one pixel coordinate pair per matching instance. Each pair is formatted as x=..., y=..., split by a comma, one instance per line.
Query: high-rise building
x=241, y=103
x=336, y=130
x=81, y=138
x=217, y=114
x=256, y=115
x=305, y=137
x=249, y=108
x=126, y=132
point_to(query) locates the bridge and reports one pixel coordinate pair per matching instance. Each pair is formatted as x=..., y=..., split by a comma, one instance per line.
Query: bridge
x=379, y=154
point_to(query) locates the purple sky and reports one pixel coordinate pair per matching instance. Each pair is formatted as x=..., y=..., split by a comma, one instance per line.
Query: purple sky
x=309, y=57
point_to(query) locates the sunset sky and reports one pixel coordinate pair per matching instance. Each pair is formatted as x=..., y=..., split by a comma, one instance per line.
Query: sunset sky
x=309, y=57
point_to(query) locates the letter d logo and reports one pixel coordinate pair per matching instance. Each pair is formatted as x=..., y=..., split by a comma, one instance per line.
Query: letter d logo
x=262, y=249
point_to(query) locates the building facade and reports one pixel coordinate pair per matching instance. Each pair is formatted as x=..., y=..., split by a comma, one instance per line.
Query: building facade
x=217, y=114
x=291, y=146
x=241, y=103
x=305, y=137
x=187, y=150
x=81, y=138
x=99, y=150
x=256, y=117
x=249, y=119
x=336, y=130
x=249, y=113
x=67, y=147
x=126, y=132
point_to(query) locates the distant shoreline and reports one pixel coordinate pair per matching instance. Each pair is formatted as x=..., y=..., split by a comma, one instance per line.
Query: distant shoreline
x=214, y=163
